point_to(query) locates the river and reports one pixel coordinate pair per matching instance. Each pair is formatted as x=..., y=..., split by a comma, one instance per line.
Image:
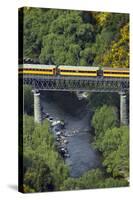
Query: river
x=66, y=106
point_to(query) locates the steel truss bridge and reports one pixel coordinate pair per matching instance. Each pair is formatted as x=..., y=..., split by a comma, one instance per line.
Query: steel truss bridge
x=91, y=84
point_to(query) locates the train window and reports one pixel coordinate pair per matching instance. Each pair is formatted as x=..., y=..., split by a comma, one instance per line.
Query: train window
x=27, y=69
x=91, y=71
x=47, y=70
x=83, y=72
x=116, y=72
x=68, y=71
x=75, y=71
x=31, y=69
x=87, y=71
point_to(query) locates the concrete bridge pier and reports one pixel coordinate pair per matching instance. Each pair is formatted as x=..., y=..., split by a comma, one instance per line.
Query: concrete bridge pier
x=37, y=106
x=123, y=109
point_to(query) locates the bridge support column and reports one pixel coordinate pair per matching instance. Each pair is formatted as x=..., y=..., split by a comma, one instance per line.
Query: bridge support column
x=123, y=109
x=37, y=107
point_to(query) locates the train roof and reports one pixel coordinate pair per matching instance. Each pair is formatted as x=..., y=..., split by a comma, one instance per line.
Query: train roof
x=37, y=66
x=92, y=68
x=41, y=66
x=115, y=69
x=78, y=67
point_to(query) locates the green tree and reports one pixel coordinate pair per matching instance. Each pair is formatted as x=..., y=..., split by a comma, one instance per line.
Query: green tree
x=103, y=119
x=113, y=142
x=67, y=37
x=97, y=100
x=28, y=100
x=118, y=54
x=92, y=179
x=76, y=37
x=115, y=148
x=48, y=34
x=44, y=169
x=112, y=40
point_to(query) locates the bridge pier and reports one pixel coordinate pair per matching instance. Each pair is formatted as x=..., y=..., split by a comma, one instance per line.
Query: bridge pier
x=123, y=109
x=37, y=106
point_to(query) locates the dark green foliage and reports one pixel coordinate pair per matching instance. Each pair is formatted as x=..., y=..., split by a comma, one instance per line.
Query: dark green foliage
x=28, y=100
x=92, y=179
x=44, y=170
x=103, y=119
x=97, y=100
x=115, y=148
x=112, y=141
x=68, y=37
x=73, y=37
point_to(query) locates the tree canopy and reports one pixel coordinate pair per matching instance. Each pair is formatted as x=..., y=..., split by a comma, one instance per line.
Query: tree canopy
x=28, y=99
x=115, y=148
x=112, y=141
x=70, y=37
x=92, y=179
x=104, y=118
x=44, y=169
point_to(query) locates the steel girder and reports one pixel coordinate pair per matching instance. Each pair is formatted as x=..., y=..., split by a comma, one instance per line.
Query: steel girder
x=76, y=83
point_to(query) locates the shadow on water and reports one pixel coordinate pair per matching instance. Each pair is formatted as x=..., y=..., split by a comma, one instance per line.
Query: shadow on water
x=66, y=106
x=66, y=101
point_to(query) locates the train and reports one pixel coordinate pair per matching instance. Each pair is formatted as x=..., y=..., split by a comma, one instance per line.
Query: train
x=75, y=71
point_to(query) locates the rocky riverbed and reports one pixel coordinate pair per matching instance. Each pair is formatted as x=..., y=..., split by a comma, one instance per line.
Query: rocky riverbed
x=69, y=119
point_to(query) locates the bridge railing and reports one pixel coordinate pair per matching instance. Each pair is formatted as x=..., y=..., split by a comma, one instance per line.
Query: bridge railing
x=60, y=83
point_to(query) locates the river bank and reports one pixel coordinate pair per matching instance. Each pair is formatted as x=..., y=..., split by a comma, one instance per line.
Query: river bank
x=75, y=113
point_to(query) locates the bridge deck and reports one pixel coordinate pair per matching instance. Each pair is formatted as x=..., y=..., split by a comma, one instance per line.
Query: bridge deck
x=60, y=83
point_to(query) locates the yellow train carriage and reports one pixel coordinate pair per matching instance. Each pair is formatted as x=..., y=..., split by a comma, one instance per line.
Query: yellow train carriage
x=33, y=69
x=116, y=73
x=77, y=71
x=52, y=70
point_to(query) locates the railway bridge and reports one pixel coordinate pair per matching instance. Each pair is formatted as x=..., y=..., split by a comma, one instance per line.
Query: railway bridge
x=90, y=84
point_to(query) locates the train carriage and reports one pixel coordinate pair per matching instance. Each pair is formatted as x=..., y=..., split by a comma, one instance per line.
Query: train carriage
x=77, y=71
x=116, y=72
x=93, y=71
x=37, y=69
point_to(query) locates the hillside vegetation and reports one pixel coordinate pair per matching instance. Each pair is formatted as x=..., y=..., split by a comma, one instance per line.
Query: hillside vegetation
x=44, y=169
x=70, y=37
x=82, y=38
